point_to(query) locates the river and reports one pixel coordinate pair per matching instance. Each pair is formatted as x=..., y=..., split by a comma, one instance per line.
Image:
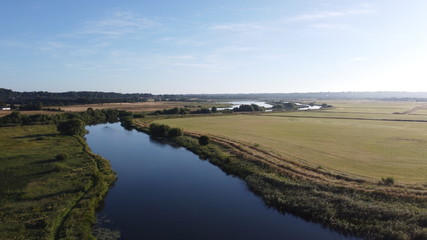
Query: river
x=167, y=192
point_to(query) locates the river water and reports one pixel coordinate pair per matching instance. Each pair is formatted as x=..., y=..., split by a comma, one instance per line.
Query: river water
x=167, y=192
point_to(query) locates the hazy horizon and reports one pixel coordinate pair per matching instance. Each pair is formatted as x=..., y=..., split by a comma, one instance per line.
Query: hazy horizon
x=221, y=47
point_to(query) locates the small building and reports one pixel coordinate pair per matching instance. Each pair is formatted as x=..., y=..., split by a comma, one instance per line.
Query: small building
x=5, y=108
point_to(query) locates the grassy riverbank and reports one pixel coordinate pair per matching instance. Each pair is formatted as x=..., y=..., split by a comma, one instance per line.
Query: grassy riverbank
x=46, y=196
x=357, y=208
x=361, y=177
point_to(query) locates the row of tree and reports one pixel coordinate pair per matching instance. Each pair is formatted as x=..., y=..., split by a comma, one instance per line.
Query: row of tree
x=88, y=117
x=248, y=108
x=163, y=130
x=14, y=98
x=183, y=111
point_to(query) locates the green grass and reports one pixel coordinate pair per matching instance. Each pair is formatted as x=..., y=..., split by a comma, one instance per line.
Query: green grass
x=42, y=197
x=373, y=149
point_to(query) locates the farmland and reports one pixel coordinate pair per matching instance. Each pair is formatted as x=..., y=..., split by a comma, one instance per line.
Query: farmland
x=364, y=176
x=331, y=139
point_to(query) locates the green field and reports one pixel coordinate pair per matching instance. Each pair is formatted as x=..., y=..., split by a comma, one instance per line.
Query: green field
x=368, y=148
x=44, y=197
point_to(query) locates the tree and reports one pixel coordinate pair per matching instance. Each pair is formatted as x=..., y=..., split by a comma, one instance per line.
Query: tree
x=174, y=132
x=158, y=130
x=203, y=140
x=72, y=127
x=214, y=109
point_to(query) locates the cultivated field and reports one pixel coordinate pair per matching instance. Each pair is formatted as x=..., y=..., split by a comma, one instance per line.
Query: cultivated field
x=368, y=148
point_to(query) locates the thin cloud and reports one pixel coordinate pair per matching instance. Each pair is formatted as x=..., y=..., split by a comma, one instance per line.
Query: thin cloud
x=328, y=26
x=8, y=44
x=240, y=27
x=51, y=46
x=118, y=24
x=330, y=14
x=359, y=59
x=280, y=24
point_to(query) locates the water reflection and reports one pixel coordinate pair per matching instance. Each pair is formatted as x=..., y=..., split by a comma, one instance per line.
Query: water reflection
x=166, y=192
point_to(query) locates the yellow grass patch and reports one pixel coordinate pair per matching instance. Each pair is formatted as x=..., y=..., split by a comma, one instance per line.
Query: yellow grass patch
x=363, y=147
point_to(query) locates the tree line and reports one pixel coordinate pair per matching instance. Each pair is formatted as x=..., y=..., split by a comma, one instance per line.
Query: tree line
x=31, y=100
x=88, y=117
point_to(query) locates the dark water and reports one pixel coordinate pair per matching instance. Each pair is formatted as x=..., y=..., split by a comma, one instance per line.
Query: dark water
x=165, y=192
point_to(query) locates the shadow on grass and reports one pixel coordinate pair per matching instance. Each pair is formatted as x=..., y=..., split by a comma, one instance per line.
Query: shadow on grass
x=47, y=161
x=50, y=195
x=38, y=136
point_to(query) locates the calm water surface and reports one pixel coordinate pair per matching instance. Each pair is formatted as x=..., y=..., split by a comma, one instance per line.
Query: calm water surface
x=165, y=192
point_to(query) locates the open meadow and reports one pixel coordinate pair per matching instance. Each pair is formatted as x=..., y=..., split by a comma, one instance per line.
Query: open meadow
x=334, y=139
x=50, y=184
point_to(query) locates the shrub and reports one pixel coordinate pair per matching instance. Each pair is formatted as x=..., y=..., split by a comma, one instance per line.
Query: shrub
x=174, y=132
x=387, y=181
x=159, y=130
x=72, y=127
x=61, y=156
x=127, y=120
x=203, y=140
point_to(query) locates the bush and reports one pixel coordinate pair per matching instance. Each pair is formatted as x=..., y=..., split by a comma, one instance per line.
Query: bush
x=61, y=156
x=387, y=181
x=159, y=130
x=203, y=140
x=127, y=121
x=174, y=132
x=72, y=127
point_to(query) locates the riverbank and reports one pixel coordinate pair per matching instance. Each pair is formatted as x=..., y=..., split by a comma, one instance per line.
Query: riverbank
x=353, y=206
x=51, y=184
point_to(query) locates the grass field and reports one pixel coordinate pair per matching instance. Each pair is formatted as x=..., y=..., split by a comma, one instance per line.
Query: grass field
x=42, y=197
x=368, y=148
x=372, y=106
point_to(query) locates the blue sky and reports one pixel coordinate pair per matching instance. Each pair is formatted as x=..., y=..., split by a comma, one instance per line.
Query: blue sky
x=233, y=46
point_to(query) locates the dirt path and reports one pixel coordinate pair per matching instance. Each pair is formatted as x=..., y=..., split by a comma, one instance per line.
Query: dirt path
x=415, y=109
